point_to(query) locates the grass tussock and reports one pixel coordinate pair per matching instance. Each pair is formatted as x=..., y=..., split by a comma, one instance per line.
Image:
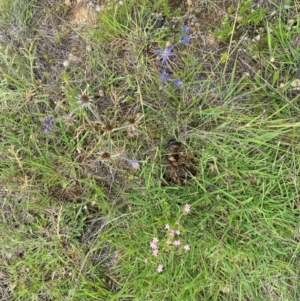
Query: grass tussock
x=147, y=152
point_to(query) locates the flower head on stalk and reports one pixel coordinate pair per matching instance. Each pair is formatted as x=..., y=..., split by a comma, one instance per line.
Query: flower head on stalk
x=177, y=82
x=46, y=124
x=164, y=76
x=185, y=29
x=165, y=54
x=84, y=99
x=185, y=40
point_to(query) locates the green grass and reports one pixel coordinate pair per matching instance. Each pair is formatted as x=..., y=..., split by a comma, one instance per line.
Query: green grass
x=74, y=226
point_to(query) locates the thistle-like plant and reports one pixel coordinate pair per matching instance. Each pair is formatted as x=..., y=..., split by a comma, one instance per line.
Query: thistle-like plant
x=164, y=56
x=104, y=125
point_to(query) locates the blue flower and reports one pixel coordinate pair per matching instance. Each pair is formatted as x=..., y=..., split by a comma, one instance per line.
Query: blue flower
x=177, y=82
x=185, y=40
x=185, y=29
x=164, y=54
x=46, y=124
x=164, y=76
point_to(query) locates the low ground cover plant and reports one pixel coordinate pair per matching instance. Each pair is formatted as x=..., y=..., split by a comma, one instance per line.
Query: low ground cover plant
x=149, y=150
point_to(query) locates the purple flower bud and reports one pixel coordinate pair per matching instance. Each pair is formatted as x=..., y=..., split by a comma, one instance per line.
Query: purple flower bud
x=185, y=40
x=164, y=77
x=177, y=82
x=46, y=124
x=185, y=29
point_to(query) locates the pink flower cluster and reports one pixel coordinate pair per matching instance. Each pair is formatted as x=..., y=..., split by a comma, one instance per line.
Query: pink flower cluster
x=153, y=246
x=172, y=239
x=176, y=242
x=160, y=268
x=187, y=208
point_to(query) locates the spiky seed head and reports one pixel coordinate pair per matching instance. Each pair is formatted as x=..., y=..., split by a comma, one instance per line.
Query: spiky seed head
x=84, y=99
x=105, y=156
x=69, y=120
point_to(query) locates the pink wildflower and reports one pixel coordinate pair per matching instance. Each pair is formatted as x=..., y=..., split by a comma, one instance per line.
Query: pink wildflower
x=186, y=248
x=177, y=242
x=177, y=232
x=172, y=232
x=160, y=268
x=153, y=245
x=155, y=252
x=167, y=227
x=155, y=240
x=187, y=208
